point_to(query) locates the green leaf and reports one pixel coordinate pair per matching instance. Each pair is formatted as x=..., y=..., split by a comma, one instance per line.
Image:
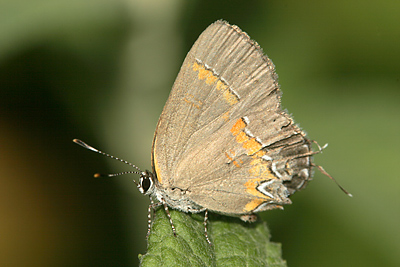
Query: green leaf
x=235, y=243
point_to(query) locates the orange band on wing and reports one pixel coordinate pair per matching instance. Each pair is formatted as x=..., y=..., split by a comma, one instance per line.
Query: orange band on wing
x=259, y=171
x=203, y=73
x=251, y=188
x=210, y=78
x=238, y=126
x=252, y=205
x=221, y=86
x=241, y=137
x=230, y=97
x=249, y=143
x=252, y=146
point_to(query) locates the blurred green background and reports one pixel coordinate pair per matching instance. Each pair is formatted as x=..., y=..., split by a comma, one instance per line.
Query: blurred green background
x=102, y=70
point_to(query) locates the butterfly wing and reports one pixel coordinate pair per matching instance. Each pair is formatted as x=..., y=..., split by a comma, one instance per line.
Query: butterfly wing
x=222, y=136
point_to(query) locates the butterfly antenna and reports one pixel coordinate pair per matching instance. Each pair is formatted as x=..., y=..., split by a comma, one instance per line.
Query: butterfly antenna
x=322, y=170
x=97, y=175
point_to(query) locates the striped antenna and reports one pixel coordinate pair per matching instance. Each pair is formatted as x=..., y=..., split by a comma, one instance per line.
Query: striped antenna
x=97, y=175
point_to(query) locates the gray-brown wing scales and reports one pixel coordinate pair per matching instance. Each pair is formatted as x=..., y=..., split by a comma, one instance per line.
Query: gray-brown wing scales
x=233, y=175
x=201, y=93
x=222, y=134
x=238, y=172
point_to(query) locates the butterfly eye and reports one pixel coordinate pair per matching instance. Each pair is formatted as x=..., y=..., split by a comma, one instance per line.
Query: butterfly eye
x=146, y=184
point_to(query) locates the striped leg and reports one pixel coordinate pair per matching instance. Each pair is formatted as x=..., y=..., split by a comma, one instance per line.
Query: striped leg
x=152, y=206
x=205, y=227
x=169, y=217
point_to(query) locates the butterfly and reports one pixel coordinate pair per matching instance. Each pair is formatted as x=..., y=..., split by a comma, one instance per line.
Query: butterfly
x=223, y=143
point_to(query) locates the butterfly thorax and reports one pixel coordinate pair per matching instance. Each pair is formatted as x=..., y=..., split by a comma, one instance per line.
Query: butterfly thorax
x=176, y=198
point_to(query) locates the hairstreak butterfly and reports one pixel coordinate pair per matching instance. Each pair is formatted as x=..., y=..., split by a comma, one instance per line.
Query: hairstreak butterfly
x=223, y=143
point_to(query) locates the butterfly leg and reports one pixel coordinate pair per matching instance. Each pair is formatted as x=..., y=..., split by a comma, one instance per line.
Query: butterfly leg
x=152, y=206
x=205, y=227
x=169, y=217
